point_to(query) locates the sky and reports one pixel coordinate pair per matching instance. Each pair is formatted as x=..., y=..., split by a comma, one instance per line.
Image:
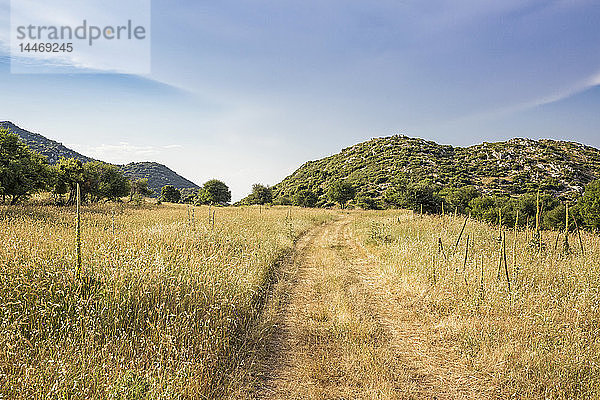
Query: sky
x=247, y=91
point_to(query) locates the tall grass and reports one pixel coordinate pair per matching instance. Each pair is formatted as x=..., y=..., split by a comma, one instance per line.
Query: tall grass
x=166, y=307
x=533, y=330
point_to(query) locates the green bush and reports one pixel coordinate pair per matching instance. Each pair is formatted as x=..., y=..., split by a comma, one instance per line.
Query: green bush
x=218, y=192
x=261, y=194
x=341, y=192
x=170, y=194
x=589, y=206
x=305, y=198
x=22, y=171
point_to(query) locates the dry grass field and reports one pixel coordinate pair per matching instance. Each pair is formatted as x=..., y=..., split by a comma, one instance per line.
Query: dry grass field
x=289, y=303
x=538, y=340
x=167, y=307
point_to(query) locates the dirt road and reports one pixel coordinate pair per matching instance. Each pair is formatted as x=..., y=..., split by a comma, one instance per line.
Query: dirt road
x=344, y=334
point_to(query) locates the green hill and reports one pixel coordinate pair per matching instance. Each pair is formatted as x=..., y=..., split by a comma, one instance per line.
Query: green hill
x=513, y=167
x=46, y=147
x=158, y=175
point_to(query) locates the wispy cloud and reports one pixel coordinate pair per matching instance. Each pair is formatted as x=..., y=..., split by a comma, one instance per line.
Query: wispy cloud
x=512, y=109
x=104, y=55
x=576, y=88
x=595, y=80
x=125, y=152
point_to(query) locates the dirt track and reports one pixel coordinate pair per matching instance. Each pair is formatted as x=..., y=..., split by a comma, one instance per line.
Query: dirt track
x=343, y=334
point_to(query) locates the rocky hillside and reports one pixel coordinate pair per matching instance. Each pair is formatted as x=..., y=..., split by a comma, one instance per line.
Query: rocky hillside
x=53, y=151
x=158, y=175
x=512, y=167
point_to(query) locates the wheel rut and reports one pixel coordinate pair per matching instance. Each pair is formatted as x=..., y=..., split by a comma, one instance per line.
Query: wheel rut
x=342, y=333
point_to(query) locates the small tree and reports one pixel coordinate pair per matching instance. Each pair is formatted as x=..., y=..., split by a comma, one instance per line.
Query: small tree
x=283, y=201
x=484, y=208
x=113, y=183
x=170, y=194
x=202, y=197
x=341, y=192
x=527, y=206
x=22, y=171
x=104, y=181
x=555, y=218
x=139, y=188
x=261, y=194
x=367, y=201
x=414, y=195
x=589, y=205
x=459, y=198
x=68, y=173
x=305, y=198
x=218, y=191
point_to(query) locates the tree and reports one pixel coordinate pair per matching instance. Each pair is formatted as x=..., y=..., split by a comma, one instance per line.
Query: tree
x=104, y=181
x=170, y=194
x=261, y=194
x=485, y=209
x=589, y=205
x=283, y=201
x=68, y=173
x=367, y=201
x=394, y=197
x=97, y=180
x=489, y=209
x=113, y=183
x=555, y=218
x=139, y=187
x=305, y=198
x=341, y=192
x=218, y=191
x=414, y=195
x=527, y=206
x=459, y=198
x=22, y=171
x=202, y=197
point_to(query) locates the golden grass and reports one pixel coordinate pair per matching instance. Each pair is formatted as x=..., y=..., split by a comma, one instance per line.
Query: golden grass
x=170, y=307
x=166, y=307
x=540, y=340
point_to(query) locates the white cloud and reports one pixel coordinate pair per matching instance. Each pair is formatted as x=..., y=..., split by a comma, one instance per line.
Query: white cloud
x=125, y=55
x=595, y=80
x=125, y=152
x=559, y=95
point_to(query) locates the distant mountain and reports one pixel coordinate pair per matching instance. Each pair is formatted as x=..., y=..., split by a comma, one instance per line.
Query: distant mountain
x=158, y=175
x=512, y=167
x=47, y=147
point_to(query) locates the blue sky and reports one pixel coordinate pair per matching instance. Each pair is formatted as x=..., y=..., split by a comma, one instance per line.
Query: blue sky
x=247, y=91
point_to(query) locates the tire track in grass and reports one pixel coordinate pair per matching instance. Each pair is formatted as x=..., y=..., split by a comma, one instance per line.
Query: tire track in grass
x=342, y=334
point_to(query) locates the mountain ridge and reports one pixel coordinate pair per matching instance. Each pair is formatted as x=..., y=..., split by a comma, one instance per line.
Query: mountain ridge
x=511, y=167
x=158, y=175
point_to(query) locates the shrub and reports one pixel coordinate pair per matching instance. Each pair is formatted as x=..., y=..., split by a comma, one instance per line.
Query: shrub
x=589, y=205
x=218, y=191
x=367, y=201
x=22, y=171
x=305, y=198
x=341, y=192
x=261, y=194
x=414, y=196
x=283, y=201
x=139, y=187
x=170, y=194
